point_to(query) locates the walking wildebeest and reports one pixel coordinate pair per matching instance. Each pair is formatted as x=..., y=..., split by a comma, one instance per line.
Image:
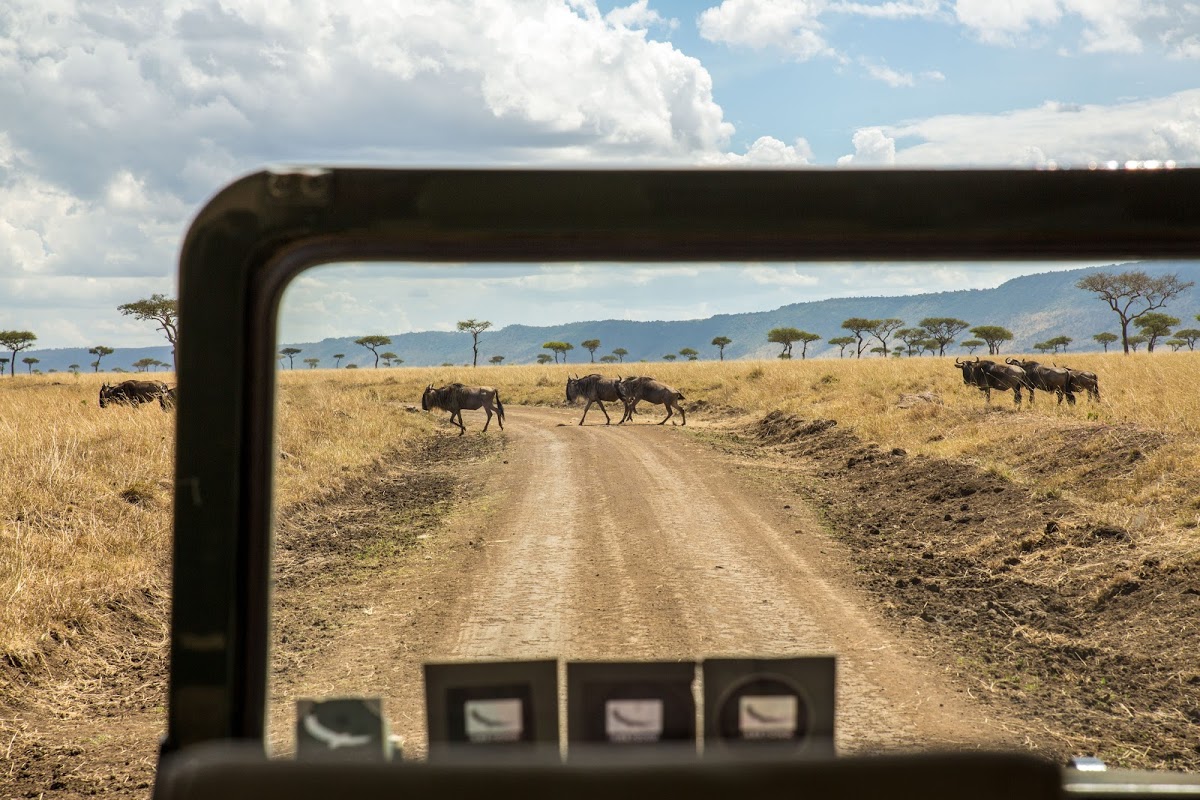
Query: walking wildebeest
x=131, y=393
x=988, y=375
x=634, y=390
x=1085, y=381
x=1048, y=379
x=596, y=389
x=456, y=398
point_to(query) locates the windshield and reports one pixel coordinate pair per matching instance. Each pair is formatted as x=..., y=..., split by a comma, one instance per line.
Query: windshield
x=950, y=477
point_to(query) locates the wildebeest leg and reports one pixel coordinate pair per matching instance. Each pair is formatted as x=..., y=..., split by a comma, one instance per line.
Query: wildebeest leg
x=629, y=407
x=682, y=415
x=607, y=419
x=461, y=428
x=670, y=412
x=487, y=410
x=1017, y=395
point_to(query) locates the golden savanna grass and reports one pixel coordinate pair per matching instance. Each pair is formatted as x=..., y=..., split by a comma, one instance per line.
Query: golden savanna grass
x=85, y=493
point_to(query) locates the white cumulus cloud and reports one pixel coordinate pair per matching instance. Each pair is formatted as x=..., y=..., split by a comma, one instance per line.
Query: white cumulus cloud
x=872, y=147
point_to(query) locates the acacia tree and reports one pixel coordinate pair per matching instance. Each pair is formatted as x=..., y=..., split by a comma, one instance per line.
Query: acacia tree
x=842, y=342
x=689, y=353
x=373, y=343
x=337, y=359
x=74, y=369
x=390, y=358
x=1123, y=290
x=475, y=327
x=30, y=361
x=883, y=328
x=805, y=340
x=100, y=351
x=543, y=358
x=670, y=357
x=289, y=353
x=859, y=326
x=1155, y=326
x=144, y=364
x=1105, y=339
x=559, y=348
x=971, y=344
x=943, y=330
x=785, y=337
x=719, y=342
x=609, y=359
x=993, y=336
x=312, y=362
x=496, y=359
x=15, y=342
x=620, y=353
x=156, y=308
x=590, y=345
x=910, y=337
x=1059, y=341
x=1135, y=342
x=1189, y=336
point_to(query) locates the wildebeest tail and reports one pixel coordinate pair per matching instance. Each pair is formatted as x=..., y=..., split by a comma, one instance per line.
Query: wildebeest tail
x=499, y=407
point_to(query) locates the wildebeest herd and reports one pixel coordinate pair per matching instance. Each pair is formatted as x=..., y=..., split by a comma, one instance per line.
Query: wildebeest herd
x=1017, y=374
x=597, y=389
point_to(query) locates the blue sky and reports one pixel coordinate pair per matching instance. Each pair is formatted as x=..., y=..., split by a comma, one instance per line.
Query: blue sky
x=118, y=119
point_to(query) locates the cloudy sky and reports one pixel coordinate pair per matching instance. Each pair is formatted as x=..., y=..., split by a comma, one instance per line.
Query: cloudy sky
x=118, y=120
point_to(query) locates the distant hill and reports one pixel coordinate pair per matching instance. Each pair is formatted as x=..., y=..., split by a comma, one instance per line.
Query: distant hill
x=1034, y=307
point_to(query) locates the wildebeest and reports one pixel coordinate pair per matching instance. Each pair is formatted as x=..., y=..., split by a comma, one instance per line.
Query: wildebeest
x=597, y=389
x=168, y=398
x=457, y=398
x=131, y=393
x=1048, y=379
x=1085, y=381
x=988, y=375
x=634, y=390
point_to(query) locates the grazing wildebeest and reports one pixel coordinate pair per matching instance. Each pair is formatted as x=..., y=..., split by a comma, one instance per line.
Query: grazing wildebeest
x=988, y=375
x=596, y=389
x=1048, y=379
x=1085, y=381
x=634, y=390
x=131, y=393
x=168, y=398
x=457, y=398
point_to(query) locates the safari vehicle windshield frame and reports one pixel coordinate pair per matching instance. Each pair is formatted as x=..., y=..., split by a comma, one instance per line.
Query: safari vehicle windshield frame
x=258, y=233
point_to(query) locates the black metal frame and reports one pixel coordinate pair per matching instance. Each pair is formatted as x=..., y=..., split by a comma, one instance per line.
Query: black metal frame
x=258, y=233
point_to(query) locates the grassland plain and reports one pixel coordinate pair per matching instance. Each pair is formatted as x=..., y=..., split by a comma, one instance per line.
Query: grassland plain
x=85, y=503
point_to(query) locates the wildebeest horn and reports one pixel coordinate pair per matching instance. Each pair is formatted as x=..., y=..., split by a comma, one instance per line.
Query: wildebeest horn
x=957, y=363
x=1011, y=361
x=976, y=359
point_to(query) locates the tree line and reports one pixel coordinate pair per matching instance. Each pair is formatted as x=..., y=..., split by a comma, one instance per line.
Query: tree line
x=1133, y=295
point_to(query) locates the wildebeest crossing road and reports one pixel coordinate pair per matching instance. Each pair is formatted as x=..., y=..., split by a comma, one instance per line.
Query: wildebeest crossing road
x=641, y=543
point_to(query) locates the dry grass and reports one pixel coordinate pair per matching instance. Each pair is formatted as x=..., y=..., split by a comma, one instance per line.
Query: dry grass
x=85, y=493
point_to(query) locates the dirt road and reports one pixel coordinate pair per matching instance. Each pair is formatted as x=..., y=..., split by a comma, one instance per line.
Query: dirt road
x=633, y=542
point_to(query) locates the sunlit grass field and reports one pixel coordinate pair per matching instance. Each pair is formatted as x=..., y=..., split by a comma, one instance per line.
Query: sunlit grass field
x=85, y=493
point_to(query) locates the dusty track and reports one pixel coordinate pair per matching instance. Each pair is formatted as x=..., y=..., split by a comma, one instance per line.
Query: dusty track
x=632, y=542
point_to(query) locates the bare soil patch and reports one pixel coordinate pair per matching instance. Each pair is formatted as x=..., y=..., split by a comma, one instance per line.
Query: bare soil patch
x=1064, y=617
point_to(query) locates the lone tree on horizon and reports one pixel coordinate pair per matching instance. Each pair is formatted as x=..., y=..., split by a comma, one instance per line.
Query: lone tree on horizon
x=15, y=342
x=474, y=327
x=100, y=351
x=312, y=362
x=30, y=361
x=496, y=360
x=1122, y=290
x=842, y=342
x=1106, y=339
x=719, y=342
x=590, y=345
x=373, y=343
x=620, y=353
x=157, y=308
x=337, y=359
x=689, y=353
x=290, y=353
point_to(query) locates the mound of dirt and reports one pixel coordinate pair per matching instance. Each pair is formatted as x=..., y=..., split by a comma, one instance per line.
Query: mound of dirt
x=1082, y=630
